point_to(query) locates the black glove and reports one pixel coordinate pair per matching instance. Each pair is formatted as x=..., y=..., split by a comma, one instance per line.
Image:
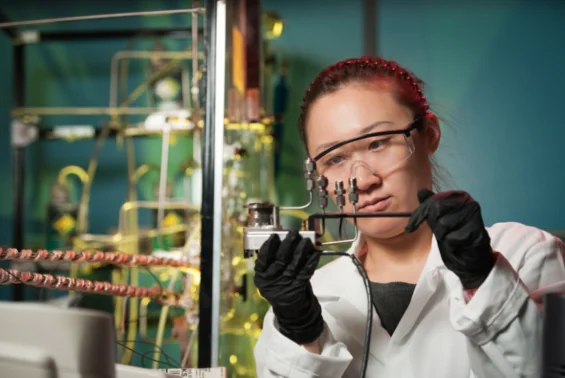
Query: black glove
x=282, y=275
x=456, y=221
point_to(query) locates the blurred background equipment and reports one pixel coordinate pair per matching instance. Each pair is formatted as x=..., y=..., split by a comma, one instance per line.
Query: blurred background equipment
x=129, y=211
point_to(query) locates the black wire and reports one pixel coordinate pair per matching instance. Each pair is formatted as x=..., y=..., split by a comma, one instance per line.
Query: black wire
x=341, y=229
x=144, y=356
x=369, y=323
x=171, y=361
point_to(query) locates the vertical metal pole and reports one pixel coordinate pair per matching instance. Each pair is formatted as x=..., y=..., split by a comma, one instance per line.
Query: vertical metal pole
x=370, y=42
x=18, y=162
x=212, y=175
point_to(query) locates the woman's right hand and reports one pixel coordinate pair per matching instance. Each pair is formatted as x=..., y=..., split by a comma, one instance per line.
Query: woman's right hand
x=282, y=275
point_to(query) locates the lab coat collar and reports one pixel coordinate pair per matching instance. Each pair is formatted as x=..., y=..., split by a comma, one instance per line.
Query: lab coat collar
x=350, y=304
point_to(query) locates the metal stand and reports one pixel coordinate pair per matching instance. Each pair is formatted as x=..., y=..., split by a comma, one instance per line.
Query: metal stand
x=212, y=175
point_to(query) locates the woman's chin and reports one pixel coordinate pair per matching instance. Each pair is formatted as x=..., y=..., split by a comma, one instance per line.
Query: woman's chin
x=382, y=228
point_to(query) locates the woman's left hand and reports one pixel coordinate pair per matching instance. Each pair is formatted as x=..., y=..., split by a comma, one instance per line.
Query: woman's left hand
x=456, y=221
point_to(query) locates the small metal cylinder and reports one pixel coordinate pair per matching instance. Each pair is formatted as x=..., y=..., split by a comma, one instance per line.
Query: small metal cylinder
x=322, y=182
x=309, y=167
x=322, y=185
x=353, y=194
x=339, y=194
x=261, y=214
x=309, y=172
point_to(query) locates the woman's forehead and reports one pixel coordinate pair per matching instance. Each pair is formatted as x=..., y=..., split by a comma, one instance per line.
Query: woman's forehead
x=350, y=112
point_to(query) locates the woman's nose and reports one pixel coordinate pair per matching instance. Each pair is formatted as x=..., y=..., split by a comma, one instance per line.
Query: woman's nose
x=365, y=176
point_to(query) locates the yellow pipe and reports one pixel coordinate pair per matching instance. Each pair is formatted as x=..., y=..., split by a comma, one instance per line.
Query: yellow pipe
x=133, y=310
x=161, y=327
x=142, y=170
x=132, y=229
x=72, y=170
x=62, y=179
x=117, y=241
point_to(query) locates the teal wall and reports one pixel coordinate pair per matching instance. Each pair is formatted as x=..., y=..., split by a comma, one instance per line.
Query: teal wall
x=495, y=74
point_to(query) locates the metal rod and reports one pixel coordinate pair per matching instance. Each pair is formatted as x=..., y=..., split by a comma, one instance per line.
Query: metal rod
x=18, y=163
x=5, y=25
x=302, y=207
x=163, y=182
x=212, y=141
x=195, y=90
x=56, y=36
x=358, y=215
x=218, y=145
x=86, y=111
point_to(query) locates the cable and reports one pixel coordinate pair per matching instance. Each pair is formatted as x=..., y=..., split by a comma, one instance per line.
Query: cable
x=369, y=323
x=170, y=360
x=143, y=356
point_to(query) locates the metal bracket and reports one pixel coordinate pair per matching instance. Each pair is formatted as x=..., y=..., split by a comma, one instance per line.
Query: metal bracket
x=23, y=134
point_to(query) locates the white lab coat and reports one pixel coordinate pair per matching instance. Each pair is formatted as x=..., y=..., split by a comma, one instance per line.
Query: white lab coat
x=497, y=334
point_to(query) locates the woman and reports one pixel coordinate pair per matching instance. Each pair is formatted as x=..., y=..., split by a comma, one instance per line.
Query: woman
x=452, y=297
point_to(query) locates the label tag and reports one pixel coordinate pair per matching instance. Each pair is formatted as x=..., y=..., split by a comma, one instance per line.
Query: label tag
x=217, y=372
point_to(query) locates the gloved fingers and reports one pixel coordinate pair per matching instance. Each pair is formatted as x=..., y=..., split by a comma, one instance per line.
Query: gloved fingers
x=283, y=255
x=424, y=194
x=301, y=255
x=416, y=219
x=310, y=266
x=470, y=236
x=456, y=217
x=267, y=253
x=288, y=247
x=422, y=212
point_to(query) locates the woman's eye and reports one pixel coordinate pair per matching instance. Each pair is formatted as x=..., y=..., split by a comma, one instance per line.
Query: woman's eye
x=334, y=160
x=375, y=145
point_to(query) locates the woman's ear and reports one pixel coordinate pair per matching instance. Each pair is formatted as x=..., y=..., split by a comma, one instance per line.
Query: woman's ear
x=432, y=133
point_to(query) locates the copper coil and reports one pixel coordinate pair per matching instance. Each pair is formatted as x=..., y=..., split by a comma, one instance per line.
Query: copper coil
x=102, y=257
x=83, y=285
x=56, y=255
x=44, y=255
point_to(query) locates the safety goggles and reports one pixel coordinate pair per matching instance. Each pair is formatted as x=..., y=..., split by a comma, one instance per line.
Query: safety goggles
x=377, y=153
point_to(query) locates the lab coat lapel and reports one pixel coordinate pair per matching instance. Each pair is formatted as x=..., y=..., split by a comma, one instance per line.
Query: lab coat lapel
x=351, y=313
x=425, y=288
